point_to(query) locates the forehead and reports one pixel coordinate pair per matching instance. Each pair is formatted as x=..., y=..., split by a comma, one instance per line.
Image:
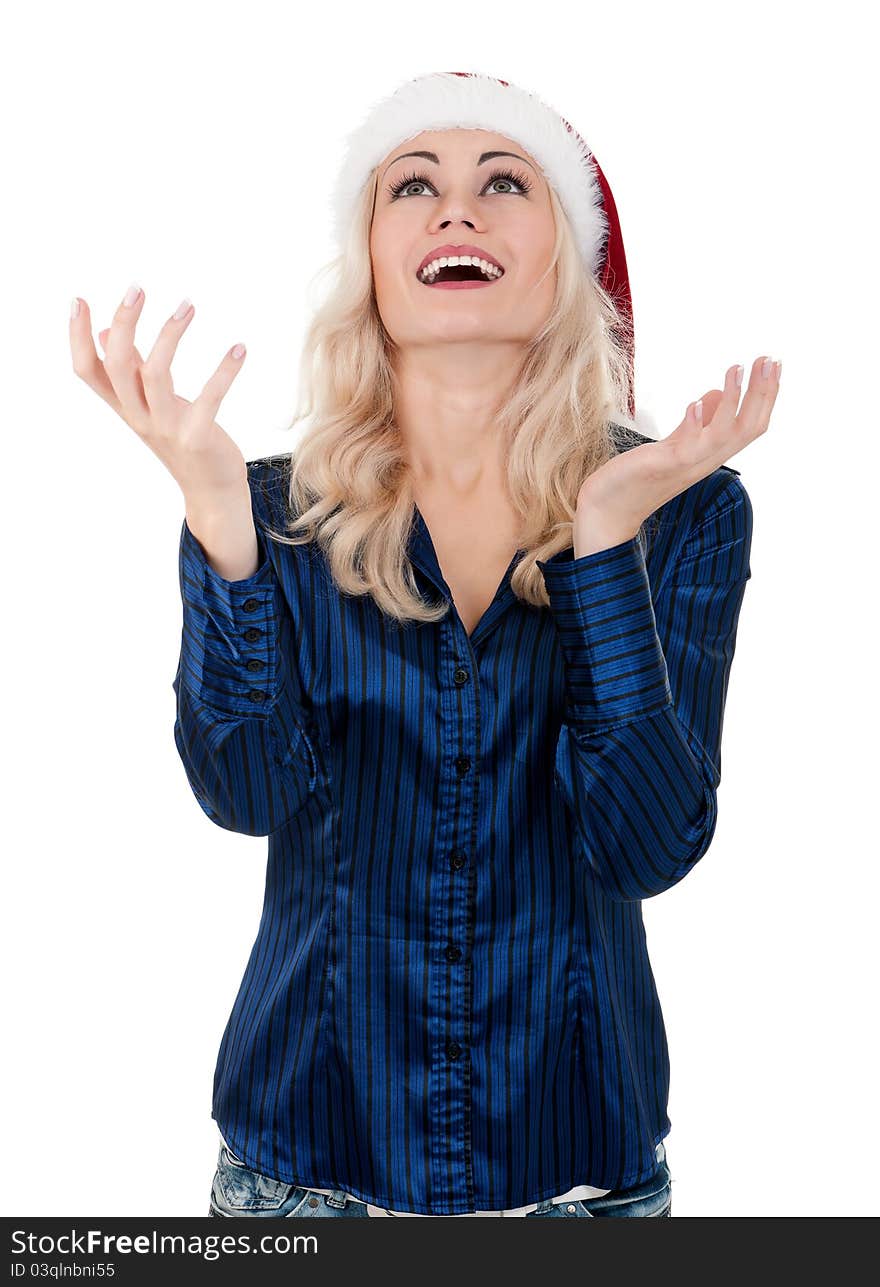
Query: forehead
x=456, y=145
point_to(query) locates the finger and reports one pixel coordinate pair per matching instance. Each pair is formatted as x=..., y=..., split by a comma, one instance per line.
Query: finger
x=715, y=414
x=702, y=412
x=207, y=404
x=102, y=336
x=724, y=409
x=754, y=415
x=86, y=363
x=122, y=361
x=156, y=371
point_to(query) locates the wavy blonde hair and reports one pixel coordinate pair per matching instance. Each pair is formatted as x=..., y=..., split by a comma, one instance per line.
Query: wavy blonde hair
x=350, y=487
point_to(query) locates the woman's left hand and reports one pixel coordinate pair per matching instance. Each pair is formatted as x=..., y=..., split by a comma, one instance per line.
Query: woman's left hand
x=616, y=499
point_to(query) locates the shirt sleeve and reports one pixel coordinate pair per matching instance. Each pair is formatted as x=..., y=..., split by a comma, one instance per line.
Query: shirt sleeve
x=240, y=726
x=639, y=754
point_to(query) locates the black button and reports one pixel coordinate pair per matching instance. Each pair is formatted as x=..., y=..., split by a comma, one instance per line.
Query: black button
x=252, y=634
x=461, y=676
x=256, y=664
x=452, y=952
x=453, y=1050
x=256, y=695
x=462, y=764
x=457, y=859
x=250, y=605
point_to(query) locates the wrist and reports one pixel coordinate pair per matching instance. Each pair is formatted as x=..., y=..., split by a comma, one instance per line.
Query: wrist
x=591, y=538
x=227, y=536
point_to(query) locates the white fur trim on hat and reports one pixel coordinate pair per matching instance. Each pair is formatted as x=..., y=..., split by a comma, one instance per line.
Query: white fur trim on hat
x=445, y=100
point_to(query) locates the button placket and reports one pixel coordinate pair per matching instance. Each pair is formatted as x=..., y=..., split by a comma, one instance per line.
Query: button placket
x=451, y=1022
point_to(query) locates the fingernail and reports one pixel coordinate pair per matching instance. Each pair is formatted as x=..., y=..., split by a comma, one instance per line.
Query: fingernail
x=739, y=377
x=698, y=410
x=238, y=351
x=778, y=371
x=131, y=295
x=74, y=307
x=767, y=367
x=182, y=309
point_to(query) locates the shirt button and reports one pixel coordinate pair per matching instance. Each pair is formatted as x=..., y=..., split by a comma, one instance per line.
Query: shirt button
x=252, y=634
x=255, y=664
x=462, y=764
x=453, y=953
x=453, y=1050
x=256, y=695
x=250, y=605
x=461, y=676
x=457, y=859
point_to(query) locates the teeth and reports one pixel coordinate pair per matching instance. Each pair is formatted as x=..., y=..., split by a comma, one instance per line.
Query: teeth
x=430, y=271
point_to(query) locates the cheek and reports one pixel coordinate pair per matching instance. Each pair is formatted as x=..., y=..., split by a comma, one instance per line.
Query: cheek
x=540, y=254
x=385, y=256
x=387, y=281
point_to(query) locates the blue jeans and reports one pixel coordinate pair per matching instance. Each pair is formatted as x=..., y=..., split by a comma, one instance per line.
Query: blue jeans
x=239, y=1191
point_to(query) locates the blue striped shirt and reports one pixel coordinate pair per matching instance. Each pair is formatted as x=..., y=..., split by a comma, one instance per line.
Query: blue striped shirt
x=449, y=1004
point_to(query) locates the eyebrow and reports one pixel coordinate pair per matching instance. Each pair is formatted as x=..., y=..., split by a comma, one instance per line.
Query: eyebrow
x=432, y=156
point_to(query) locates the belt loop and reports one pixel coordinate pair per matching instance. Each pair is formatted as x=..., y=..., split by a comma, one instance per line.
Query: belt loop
x=336, y=1198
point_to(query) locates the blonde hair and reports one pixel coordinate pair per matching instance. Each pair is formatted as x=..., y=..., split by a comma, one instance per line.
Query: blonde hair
x=350, y=487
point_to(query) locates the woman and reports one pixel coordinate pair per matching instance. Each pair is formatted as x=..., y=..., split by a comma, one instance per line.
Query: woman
x=462, y=655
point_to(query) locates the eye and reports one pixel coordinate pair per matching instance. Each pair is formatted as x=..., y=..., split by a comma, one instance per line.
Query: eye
x=505, y=176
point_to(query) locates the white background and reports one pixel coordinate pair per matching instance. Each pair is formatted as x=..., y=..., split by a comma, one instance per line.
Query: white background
x=192, y=148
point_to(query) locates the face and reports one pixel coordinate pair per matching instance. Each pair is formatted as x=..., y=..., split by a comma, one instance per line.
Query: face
x=456, y=197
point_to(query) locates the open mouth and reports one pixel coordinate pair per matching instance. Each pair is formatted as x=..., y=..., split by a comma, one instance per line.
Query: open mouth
x=455, y=274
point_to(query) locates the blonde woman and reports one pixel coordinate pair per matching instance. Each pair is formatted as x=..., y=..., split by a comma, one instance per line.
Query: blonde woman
x=462, y=656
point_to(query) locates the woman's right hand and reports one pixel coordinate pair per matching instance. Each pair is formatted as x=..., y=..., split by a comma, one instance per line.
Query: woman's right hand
x=205, y=462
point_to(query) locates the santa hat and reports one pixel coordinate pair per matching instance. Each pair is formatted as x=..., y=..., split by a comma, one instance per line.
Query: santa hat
x=471, y=100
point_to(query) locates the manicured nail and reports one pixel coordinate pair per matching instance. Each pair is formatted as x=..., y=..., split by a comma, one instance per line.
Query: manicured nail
x=131, y=295
x=182, y=309
x=698, y=411
x=238, y=351
x=74, y=307
x=778, y=372
x=767, y=367
x=739, y=377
